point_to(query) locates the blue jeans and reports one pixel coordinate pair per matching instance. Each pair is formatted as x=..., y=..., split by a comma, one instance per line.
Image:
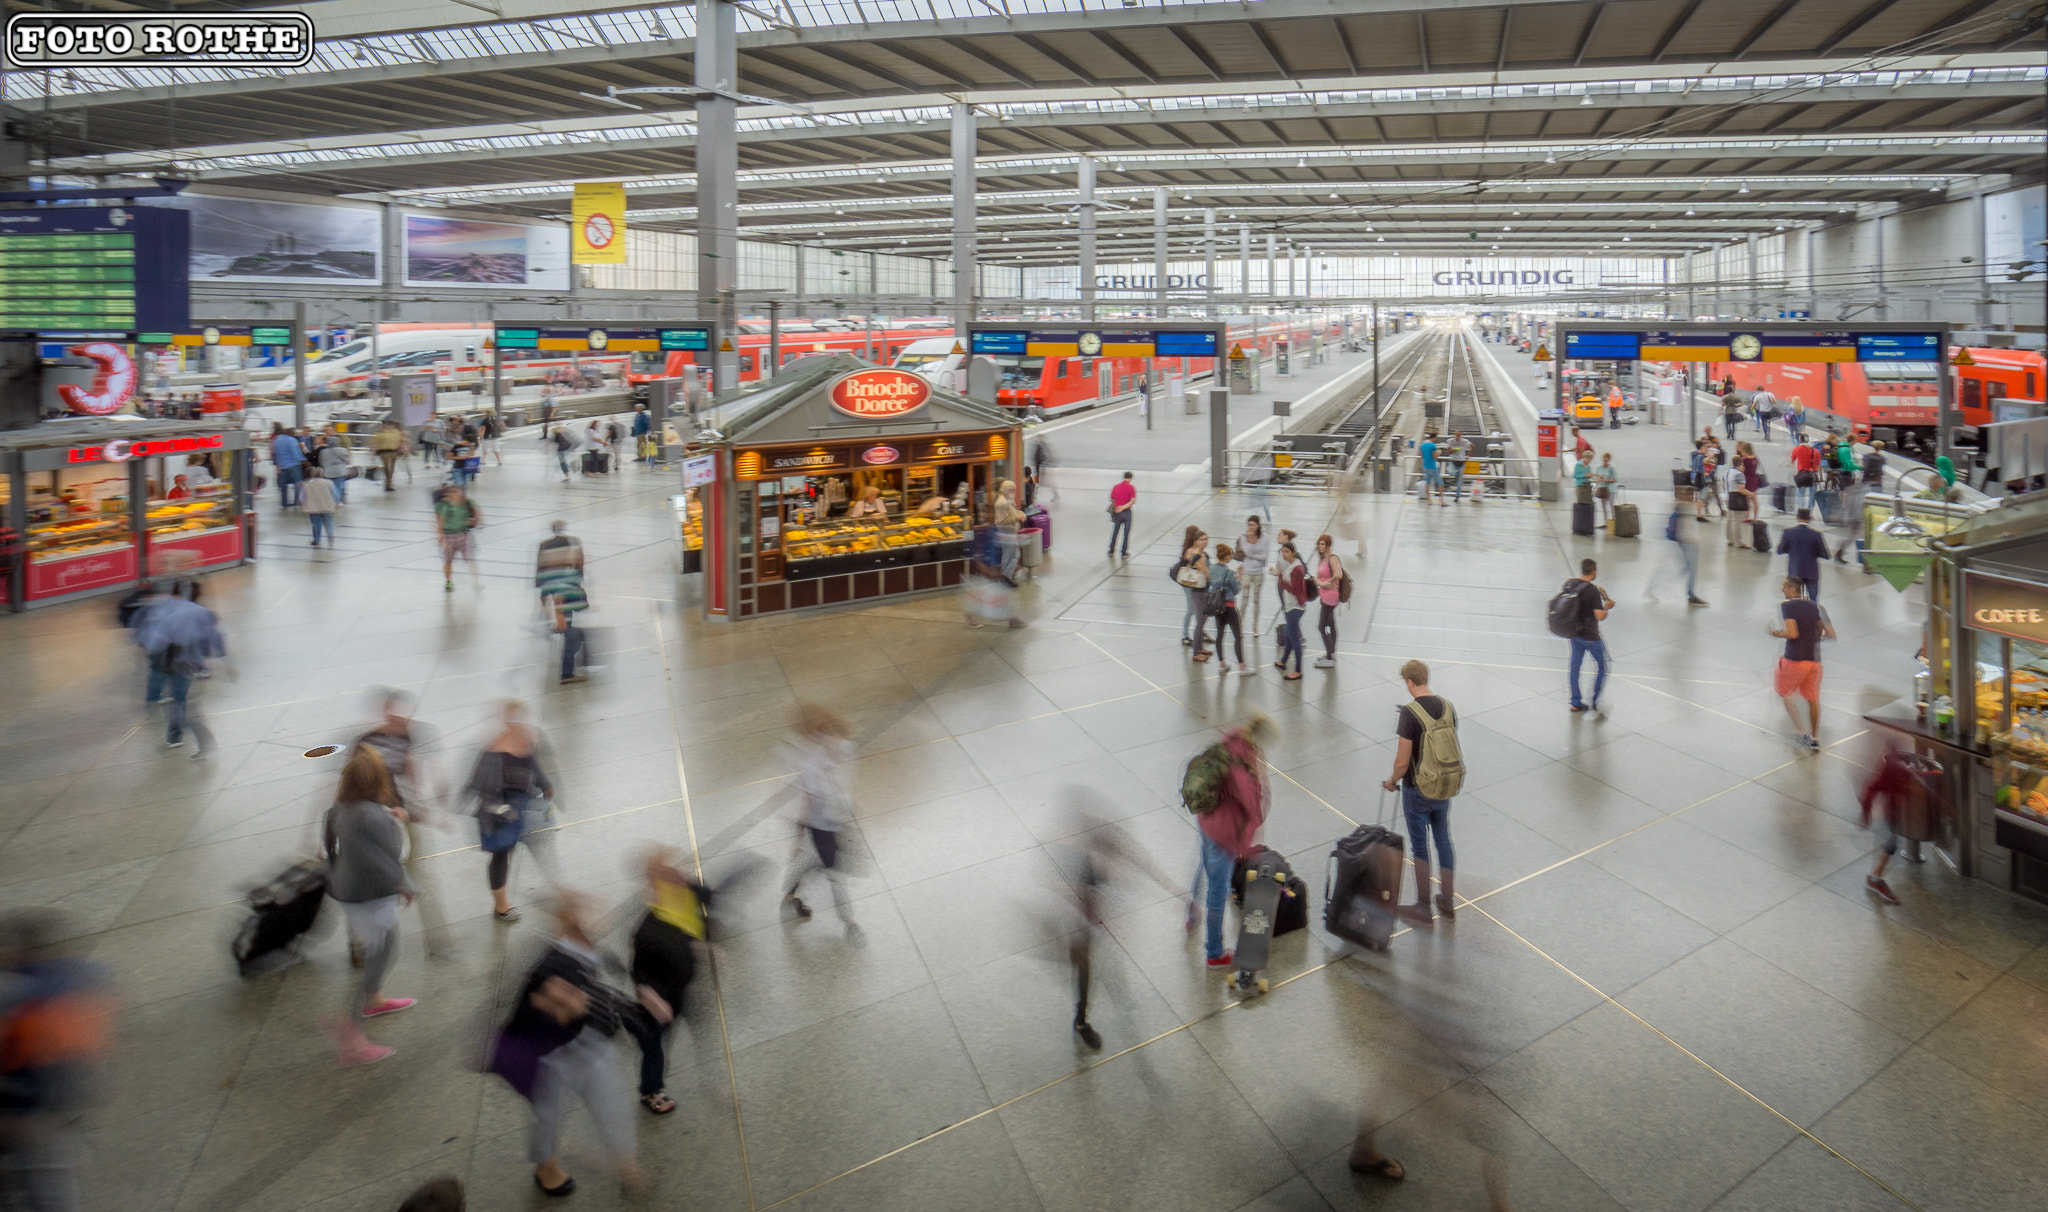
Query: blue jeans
x=1579, y=650
x=321, y=521
x=572, y=644
x=159, y=681
x=1426, y=816
x=1216, y=866
x=1193, y=615
x=288, y=479
x=1290, y=639
x=177, y=716
x=1689, y=553
x=340, y=488
x=1120, y=523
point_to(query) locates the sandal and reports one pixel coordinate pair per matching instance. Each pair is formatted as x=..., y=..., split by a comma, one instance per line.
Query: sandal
x=658, y=1102
x=1292, y=677
x=1201, y=656
x=567, y=1187
x=1385, y=1167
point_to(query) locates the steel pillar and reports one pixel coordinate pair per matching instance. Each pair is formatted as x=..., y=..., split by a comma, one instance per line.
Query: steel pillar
x=1159, y=252
x=718, y=246
x=1209, y=264
x=1084, y=215
x=966, y=272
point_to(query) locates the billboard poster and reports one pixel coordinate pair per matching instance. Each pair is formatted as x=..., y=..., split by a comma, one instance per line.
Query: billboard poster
x=473, y=252
x=597, y=227
x=248, y=240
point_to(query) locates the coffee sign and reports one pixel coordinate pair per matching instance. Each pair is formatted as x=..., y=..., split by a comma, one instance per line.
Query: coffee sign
x=2006, y=607
x=884, y=394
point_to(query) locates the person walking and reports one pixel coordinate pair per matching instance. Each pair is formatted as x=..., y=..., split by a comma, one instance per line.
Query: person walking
x=179, y=636
x=1679, y=531
x=1191, y=573
x=1752, y=470
x=643, y=424
x=558, y=578
x=507, y=777
x=1605, y=481
x=1897, y=784
x=1588, y=610
x=1123, y=496
x=1221, y=605
x=334, y=462
x=1229, y=829
x=1802, y=625
x=1429, y=769
x=1764, y=406
x=432, y=435
x=1805, y=473
x=1432, y=472
x=1095, y=852
x=1293, y=578
x=1804, y=548
x=402, y=742
x=823, y=746
x=557, y=1042
x=664, y=962
x=317, y=502
x=563, y=446
x=362, y=843
x=490, y=432
x=1329, y=577
x=456, y=519
x=1254, y=554
x=1731, y=413
x=388, y=443
x=1795, y=419
x=289, y=460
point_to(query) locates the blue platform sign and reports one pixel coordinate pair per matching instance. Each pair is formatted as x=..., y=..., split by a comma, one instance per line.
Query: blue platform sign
x=1604, y=346
x=1898, y=346
x=1170, y=344
x=999, y=341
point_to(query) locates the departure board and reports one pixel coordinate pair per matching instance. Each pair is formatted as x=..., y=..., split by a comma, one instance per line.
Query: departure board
x=94, y=270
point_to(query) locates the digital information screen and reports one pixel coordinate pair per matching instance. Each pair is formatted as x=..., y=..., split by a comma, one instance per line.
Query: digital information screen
x=1187, y=344
x=697, y=339
x=1006, y=341
x=518, y=338
x=1604, y=346
x=1898, y=346
x=98, y=269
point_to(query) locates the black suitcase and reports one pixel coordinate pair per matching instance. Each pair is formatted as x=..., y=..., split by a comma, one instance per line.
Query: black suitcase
x=1582, y=518
x=1829, y=502
x=1760, y=536
x=1778, y=497
x=1293, y=913
x=281, y=911
x=1362, y=886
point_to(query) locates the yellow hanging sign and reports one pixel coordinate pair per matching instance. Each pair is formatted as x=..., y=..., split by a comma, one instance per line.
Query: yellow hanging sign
x=1962, y=358
x=1542, y=354
x=597, y=227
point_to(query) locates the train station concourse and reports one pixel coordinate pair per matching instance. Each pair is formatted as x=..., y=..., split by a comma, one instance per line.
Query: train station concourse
x=1072, y=604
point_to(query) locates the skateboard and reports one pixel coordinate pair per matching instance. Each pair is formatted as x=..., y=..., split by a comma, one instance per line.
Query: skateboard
x=1262, y=893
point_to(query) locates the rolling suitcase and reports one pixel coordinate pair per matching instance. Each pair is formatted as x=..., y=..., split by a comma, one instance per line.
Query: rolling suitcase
x=1829, y=503
x=1778, y=497
x=279, y=913
x=1760, y=537
x=1038, y=518
x=1628, y=522
x=1362, y=885
x=1582, y=518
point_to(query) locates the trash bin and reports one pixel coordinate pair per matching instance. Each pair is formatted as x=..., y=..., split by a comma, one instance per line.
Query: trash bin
x=1030, y=547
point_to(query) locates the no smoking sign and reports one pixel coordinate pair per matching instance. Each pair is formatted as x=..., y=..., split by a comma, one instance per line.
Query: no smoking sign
x=598, y=230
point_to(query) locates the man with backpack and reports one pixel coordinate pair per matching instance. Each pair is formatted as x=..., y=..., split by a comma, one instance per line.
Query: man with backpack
x=1575, y=615
x=1225, y=787
x=1429, y=768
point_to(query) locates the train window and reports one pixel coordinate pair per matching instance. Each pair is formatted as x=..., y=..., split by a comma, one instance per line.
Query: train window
x=1019, y=371
x=1973, y=393
x=2033, y=389
x=1060, y=369
x=746, y=364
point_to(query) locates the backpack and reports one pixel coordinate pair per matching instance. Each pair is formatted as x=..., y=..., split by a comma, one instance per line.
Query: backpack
x=1565, y=609
x=1201, y=784
x=1439, y=763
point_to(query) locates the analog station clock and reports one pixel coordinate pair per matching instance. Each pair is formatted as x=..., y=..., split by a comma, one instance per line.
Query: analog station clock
x=1745, y=347
x=1089, y=343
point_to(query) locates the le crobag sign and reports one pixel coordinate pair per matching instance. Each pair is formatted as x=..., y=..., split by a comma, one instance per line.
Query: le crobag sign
x=879, y=395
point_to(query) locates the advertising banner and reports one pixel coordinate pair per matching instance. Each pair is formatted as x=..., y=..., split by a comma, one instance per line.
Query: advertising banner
x=473, y=252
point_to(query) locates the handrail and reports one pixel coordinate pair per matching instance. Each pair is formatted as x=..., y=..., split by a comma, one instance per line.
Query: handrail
x=1507, y=475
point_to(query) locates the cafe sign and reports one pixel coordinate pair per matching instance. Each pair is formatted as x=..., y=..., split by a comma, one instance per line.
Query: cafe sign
x=884, y=394
x=2005, y=607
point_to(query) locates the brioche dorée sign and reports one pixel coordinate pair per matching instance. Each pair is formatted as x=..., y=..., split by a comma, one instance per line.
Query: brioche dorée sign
x=880, y=395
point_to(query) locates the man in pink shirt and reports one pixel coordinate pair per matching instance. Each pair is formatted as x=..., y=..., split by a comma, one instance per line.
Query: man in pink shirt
x=1121, y=499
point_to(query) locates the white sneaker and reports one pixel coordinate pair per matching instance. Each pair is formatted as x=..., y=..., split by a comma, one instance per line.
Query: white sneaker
x=1323, y=662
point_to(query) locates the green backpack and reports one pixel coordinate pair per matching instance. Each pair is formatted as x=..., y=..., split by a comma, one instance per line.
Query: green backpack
x=1201, y=784
x=1439, y=763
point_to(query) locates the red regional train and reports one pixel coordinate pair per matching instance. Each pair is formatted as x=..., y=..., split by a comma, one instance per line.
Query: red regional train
x=1902, y=396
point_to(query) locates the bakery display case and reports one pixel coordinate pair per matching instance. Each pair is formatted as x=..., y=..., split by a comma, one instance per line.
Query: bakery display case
x=872, y=543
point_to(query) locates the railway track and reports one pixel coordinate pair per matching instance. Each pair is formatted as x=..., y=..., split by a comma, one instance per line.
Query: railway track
x=1435, y=387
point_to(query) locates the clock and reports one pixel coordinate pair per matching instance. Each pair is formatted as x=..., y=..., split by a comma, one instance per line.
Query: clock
x=597, y=338
x=1089, y=343
x=1745, y=347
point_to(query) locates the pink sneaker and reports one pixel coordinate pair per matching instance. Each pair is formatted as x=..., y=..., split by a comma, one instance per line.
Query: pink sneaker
x=390, y=1005
x=364, y=1053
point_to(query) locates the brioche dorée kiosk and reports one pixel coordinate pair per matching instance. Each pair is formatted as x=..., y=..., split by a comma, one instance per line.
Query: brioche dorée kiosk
x=838, y=481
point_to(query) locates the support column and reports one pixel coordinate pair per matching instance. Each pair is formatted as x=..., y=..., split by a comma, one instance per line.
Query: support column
x=1812, y=279
x=1884, y=309
x=1159, y=252
x=1272, y=268
x=718, y=246
x=1244, y=264
x=1209, y=263
x=1084, y=216
x=965, y=269
x=1749, y=305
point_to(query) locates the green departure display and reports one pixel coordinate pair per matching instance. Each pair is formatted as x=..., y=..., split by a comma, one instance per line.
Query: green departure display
x=67, y=280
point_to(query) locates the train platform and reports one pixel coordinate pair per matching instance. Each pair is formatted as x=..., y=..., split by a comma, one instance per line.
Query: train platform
x=1178, y=441
x=1664, y=986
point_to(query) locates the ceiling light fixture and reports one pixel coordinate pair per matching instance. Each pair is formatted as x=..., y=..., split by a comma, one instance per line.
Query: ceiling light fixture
x=1744, y=189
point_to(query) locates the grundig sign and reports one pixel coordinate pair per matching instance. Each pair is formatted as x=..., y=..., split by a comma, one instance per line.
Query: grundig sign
x=880, y=395
x=1505, y=277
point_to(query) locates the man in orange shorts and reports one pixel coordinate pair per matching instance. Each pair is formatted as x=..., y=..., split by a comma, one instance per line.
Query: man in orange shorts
x=1802, y=627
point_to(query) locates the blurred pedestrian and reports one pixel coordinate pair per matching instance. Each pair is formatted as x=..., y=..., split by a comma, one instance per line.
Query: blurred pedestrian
x=558, y=1042
x=504, y=783
x=558, y=577
x=1008, y=519
x=440, y=1195
x=1897, y=786
x=388, y=444
x=492, y=429
x=421, y=791
x=822, y=746
x=1232, y=781
x=288, y=458
x=432, y=435
x=663, y=965
x=335, y=463
x=1685, y=553
x=456, y=519
x=56, y=1023
x=1094, y=853
x=180, y=636
x=1123, y=497
x=564, y=446
x=363, y=846
x=317, y=501
x=1429, y=768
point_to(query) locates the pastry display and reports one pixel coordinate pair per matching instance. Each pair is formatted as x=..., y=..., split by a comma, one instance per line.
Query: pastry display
x=849, y=536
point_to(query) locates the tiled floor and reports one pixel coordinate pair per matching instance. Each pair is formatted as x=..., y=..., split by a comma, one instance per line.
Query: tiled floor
x=1667, y=989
